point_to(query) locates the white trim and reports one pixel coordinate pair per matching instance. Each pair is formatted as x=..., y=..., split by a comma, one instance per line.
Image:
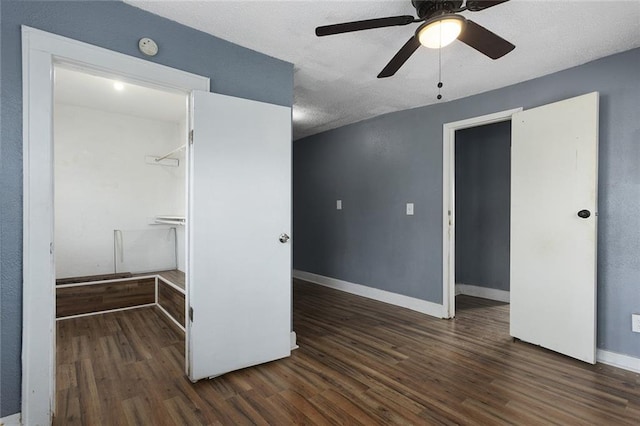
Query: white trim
x=38, y=313
x=12, y=420
x=159, y=306
x=412, y=303
x=142, y=277
x=155, y=289
x=108, y=311
x=483, y=292
x=40, y=50
x=626, y=362
x=294, y=341
x=448, y=200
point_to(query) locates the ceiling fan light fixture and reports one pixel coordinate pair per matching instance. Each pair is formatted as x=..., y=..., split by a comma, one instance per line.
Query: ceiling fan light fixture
x=441, y=31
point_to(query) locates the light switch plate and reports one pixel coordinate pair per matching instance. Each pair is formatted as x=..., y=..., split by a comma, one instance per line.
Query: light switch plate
x=409, y=209
x=338, y=204
x=635, y=323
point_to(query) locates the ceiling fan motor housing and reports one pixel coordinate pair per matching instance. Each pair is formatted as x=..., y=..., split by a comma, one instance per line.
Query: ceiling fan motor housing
x=425, y=9
x=441, y=25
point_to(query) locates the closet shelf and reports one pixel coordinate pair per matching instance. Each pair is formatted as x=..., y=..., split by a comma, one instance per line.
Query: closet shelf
x=170, y=220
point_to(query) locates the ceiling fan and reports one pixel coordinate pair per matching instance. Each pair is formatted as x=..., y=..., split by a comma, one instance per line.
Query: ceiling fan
x=440, y=26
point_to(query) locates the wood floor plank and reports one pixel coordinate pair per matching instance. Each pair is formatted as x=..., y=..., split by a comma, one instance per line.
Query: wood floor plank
x=135, y=411
x=89, y=397
x=295, y=408
x=264, y=406
x=248, y=412
x=181, y=412
x=360, y=362
x=68, y=407
x=339, y=409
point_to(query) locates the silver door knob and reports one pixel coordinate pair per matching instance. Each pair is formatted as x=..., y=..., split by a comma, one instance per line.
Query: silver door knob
x=284, y=238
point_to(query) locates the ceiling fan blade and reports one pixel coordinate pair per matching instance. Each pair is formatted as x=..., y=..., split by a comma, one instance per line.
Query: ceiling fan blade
x=400, y=58
x=477, y=5
x=367, y=24
x=484, y=41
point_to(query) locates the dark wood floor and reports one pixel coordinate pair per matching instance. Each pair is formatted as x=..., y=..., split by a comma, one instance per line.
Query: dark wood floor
x=359, y=362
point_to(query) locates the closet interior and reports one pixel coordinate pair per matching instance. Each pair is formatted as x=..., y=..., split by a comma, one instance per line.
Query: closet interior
x=120, y=196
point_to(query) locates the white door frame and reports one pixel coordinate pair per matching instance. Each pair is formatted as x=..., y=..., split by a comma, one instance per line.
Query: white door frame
x=449, y=199
x=40, y=51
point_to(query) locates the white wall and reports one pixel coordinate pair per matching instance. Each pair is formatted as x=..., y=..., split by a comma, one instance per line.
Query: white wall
x=182, y=199
x=102, y=183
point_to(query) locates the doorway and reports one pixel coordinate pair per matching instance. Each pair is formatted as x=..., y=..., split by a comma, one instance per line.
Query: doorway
x=482, y=210
x=119, y=205
x=42, y=52
x=450, y=238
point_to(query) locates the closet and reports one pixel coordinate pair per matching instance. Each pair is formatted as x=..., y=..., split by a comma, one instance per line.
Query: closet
x=120, y=196
x=195, y=223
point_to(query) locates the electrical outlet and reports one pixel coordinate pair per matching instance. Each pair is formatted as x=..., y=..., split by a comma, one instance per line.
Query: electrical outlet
x=338, y=204
x=635, y=323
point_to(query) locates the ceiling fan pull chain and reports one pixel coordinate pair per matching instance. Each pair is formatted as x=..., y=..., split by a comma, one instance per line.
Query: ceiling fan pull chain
x=440, y=67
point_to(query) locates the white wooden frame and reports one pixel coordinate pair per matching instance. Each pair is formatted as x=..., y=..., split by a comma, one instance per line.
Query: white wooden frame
x=449, y=198
x=40, y=51
x=156, y=277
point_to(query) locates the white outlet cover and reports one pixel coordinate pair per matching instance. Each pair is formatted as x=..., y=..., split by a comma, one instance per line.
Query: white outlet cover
x=338, y=204
x=409, y=209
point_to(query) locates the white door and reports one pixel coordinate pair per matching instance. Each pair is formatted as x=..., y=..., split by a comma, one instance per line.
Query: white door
x=239, y=273
x=554, y=182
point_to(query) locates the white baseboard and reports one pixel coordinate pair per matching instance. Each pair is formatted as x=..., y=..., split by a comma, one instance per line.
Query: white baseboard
x=485, y=293
x=626, y=362
x=412, y=303
x=294, y=339
x=12, y=420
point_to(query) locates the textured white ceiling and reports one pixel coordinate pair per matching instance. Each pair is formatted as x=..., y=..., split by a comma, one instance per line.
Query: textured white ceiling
x=80, y=88
x=335, y=76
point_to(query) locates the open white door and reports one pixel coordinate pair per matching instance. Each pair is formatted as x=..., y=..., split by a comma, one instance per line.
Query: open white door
x=239, y=273
x=554, y=182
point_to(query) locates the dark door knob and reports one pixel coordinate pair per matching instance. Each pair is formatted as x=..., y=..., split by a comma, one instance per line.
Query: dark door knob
x=584, y=214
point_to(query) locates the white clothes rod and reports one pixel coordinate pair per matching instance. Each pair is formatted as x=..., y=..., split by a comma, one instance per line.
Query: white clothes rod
x=170, y=220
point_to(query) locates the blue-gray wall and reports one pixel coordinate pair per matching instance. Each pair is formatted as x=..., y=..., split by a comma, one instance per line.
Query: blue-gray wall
x=233, y=70
x=483, y=205
x=377, y=165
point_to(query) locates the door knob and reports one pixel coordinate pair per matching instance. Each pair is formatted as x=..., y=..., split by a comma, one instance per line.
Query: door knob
x=584, y=214
x=284, y=238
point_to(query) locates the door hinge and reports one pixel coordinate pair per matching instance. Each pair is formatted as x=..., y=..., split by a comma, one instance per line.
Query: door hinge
x=191, y=136
x=50, y=248
x=190, y=314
